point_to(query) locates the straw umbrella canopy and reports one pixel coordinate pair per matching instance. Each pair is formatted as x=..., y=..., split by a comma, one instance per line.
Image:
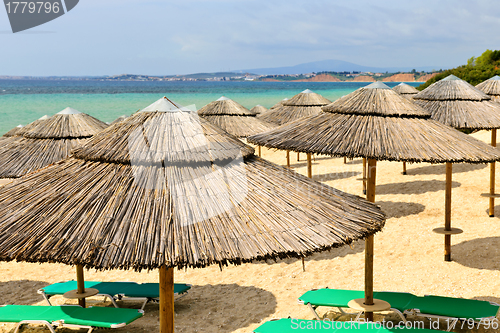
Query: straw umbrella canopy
x=405, y=90
x=17, y=132
x=304, y=104
x=165, y=189
x=280, y=103
x=117, y=120
x=32, y=125
x=233, y=118
x=47, y=142
x=271, y=110
x=258, y=109
x=458, y=104
x=10, y=135
x=491, y=87
x=13, y=131
x=301, y=105
x=377, y=123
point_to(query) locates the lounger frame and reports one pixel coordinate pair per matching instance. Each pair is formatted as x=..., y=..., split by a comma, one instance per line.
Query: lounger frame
x=402, y=315
x=60, y=323
x=453, y=320
x=358, y=314
x=119, y=297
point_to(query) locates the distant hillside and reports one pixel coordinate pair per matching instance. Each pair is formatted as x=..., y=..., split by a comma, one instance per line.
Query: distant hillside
x=320, y=78
x=407, y=77
x=350, y=77
x=332, y=66
x=476, y=71
x=363, y=78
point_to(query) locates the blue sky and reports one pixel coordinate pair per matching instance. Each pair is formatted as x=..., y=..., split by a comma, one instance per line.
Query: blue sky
x=105, y=37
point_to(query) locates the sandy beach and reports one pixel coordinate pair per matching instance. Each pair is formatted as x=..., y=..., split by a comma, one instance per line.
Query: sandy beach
x=408, y=255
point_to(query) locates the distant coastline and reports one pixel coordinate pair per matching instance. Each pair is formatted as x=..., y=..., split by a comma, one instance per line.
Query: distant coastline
x=354, y=76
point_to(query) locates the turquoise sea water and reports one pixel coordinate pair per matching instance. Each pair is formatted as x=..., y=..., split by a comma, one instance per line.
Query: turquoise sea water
x=22, y=102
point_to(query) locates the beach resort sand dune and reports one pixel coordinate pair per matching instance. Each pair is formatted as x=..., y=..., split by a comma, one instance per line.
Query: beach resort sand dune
x=408, y=255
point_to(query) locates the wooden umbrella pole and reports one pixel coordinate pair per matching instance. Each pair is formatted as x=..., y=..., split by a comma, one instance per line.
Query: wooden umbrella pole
x=345, y=160
x=166, y=299
x=404, y=168
x=447, y=213
x=369, y=242
x=364, y=175
x=298, y=157
x=260, y=152
x=288, y=158
x=492, y=175
x=309, y=166
x=80, y=282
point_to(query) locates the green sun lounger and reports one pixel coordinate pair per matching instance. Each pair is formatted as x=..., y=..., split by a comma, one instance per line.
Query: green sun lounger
x=403, y=304
x=146, y=292
x=68, y=316
x=315, y=326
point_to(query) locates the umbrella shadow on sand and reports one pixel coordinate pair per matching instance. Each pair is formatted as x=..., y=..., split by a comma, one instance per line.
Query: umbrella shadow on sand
x=440, y=169
x=480, y=253
x=222, y=308
x=400, y=209
x=415, y=187
x=21, y=292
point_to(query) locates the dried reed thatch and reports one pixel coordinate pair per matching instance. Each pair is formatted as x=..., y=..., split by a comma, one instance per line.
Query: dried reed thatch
x=258, y=109
x=225, y=107
x=305, y=104
x=458, y=104
x=240, y=126
x=233, y=118
x=124, y=210
x=32, y=125
x=405, y=90
x=117, y=120
x=280, y=103
x=491, y=87
x=46, y=141
x=307, y=98
x=13, y=132
x=14, y=136
x=377, y=123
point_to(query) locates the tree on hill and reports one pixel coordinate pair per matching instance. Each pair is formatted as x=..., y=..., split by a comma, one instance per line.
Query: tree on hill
x=476, y=71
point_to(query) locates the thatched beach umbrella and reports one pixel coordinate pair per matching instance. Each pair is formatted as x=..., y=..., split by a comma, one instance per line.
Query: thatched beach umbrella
x=407, y=91
x=258, y=109
x=491, y=87
x=13, y=131
x=47, y=142
x=165, y=189
x=10, y=135
x=280, y=103
x=117, y=120
x=304, y=104
x=17, y=132
x=376, y=123
x=234, y=118
x=458, y=104
x=32, y=125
